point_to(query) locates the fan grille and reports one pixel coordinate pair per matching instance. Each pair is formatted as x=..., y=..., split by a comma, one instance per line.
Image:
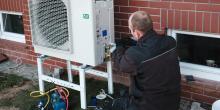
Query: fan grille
x=49, y=24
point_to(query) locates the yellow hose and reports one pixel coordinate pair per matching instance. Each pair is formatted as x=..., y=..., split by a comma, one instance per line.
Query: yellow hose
x=37, y=94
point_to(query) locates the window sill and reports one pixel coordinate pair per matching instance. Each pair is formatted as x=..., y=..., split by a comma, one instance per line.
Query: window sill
x=200, y=71
x=13, y=37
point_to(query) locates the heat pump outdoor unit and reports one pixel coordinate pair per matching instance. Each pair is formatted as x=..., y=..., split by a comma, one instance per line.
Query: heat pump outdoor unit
x=73, y=30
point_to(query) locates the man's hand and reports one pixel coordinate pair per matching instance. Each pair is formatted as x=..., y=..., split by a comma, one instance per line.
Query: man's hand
x=112, y=47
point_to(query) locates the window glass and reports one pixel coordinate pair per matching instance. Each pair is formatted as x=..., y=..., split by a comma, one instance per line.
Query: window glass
x=199, y=50
x=13, y=23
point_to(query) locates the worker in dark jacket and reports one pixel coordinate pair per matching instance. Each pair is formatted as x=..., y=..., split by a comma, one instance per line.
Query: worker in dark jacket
x=153, y=67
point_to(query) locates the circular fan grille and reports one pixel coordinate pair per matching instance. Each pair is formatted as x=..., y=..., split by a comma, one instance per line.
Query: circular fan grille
x=49, y=19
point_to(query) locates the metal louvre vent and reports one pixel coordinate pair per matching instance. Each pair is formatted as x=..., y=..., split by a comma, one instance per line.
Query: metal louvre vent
x=49, y=24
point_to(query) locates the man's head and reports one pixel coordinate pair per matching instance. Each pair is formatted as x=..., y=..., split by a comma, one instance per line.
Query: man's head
x=139, y=23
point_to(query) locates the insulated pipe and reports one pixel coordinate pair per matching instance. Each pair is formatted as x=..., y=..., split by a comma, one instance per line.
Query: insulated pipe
x=69, y=70
x=110, y=79
x=40, y=73
x=82, y=87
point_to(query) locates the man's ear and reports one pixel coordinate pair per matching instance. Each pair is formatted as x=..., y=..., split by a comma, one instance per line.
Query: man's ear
x=138, y=34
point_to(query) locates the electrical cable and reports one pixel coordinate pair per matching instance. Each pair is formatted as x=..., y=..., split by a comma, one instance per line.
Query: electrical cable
x=60, y=90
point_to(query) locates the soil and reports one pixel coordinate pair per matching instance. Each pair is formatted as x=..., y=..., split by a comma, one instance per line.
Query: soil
x=10, y=93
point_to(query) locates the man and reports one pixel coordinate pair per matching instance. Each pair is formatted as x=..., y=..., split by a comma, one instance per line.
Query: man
x=153, y=68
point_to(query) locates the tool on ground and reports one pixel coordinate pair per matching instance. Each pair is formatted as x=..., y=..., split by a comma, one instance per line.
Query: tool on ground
x=58, y=99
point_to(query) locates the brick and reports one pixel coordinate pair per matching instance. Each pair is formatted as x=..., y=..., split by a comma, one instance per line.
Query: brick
x=207, y=22
x=218, y=87
x=117, y=35
x=27, y=27
x=26, y=12
x=58, y=59
x=212, y=93
x=26, y=18
x=197, y=83
x=121, y=2
x=16, y=6
x=203, y=7
x=214, y=22
x=26, y=22
x=27, y=61
x=215, y=8
x=197, y=89
x=215, y=1
x=208, y=7
x=199, y=21
x=124, y=22
x=1, y=4
x=121, y=29
x=192, y=21
x=173, y=0
x=11, y=45
x=197, y=1
x=5, y=4
x=184, y=20
x=177, y=19
x=32, y=53
x=156, y=26
x=29, y=42
x=139, y=3
x=155, y=18
x=116, y=8
x=219, y=23
x=34, y=58
x=151, y=11
x=170, y=19
x=159, y=4
x=185, y=87
x=202, y=98
x=164, y=18
x=125, y=35
x=10, y=5
x=25, y=6
x=121, y=16
x=182, y=6
x=208, y=84
x=128, y=9
x=117, y=22
x=186, y=94
x=50, y=62
x=202, y=1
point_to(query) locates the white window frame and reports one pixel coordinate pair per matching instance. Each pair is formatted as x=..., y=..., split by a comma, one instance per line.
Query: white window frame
x=10, y=35
x=197, y=70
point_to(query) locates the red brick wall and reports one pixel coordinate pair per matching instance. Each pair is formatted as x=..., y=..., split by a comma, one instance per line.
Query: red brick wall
x=11, y=5
x=190, y=15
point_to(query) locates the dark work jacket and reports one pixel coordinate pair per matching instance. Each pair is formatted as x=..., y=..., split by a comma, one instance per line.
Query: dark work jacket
x=154, y=71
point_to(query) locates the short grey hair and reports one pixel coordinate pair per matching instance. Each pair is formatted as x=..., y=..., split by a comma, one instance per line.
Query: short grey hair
x=141, y=21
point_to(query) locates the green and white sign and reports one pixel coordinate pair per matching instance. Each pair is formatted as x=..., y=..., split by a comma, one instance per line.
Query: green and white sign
x=85, y=16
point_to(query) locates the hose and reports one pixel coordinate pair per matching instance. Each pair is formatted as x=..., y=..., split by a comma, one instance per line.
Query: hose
x=37, y=94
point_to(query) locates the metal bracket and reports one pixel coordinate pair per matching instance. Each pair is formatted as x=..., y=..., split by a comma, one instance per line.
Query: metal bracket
x=83, y=69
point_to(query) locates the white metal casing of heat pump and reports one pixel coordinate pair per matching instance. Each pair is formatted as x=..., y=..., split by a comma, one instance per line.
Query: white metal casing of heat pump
x=88, y=21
